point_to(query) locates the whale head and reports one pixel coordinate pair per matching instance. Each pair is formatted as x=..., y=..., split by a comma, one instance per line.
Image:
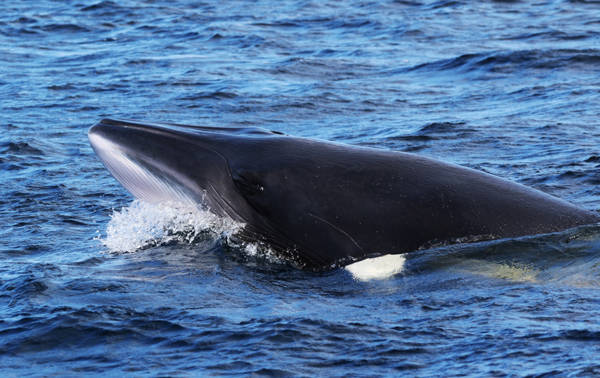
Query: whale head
x=171, y=163
x=261, y=178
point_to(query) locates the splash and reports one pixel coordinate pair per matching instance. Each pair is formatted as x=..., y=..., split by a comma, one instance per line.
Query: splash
x=142, y=225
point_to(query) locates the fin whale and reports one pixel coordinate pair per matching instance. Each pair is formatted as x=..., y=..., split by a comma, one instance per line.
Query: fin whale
x=324, y=204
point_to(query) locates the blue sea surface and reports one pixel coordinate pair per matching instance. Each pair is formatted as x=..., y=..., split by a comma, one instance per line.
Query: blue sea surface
x=93, y=282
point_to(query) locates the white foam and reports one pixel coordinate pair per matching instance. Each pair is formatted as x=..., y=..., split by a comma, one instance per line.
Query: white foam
x=377, y=268
x=144, y=224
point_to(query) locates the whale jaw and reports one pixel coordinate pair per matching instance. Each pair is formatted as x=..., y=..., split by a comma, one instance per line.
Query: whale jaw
x=139, y=179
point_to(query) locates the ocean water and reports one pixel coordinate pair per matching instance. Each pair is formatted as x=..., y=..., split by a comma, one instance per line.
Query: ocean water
x=93, y=282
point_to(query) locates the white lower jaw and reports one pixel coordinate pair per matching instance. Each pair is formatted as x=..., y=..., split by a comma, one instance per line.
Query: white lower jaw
x=137, y=179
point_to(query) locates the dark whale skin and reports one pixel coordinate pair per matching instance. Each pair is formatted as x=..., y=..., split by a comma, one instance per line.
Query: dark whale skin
x=326, y=204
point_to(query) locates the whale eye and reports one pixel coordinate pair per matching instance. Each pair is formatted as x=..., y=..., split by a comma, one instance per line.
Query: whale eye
x=251, y=188
x=247, y=183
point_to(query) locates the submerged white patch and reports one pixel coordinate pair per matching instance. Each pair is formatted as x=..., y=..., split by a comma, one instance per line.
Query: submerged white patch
x=506, y=271
x=377, y=268
x=135, y=178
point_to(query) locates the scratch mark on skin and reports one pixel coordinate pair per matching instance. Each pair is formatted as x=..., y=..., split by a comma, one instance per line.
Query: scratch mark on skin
x=337, y=229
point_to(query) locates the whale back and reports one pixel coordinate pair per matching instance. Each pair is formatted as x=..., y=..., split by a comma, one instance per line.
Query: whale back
x=341, y=203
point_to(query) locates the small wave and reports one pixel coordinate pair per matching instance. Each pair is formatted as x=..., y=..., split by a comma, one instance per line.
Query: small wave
x=279, y=24
x=513, y=61
x=323, y=69
x=436, y=130
x=242, y=41
x=65, y=327
x=408, y=3
x=443, y=4
x=64, y=28
x=352, y=23
x=21, y=148
x=103, y=5
x=570, y=334
x=441, y=127
x=61, y=87
x=22, y=288
x=216, y=95
x=553, y=35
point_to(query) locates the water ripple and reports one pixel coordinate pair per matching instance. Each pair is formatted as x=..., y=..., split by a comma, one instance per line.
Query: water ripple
x=507, y=87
